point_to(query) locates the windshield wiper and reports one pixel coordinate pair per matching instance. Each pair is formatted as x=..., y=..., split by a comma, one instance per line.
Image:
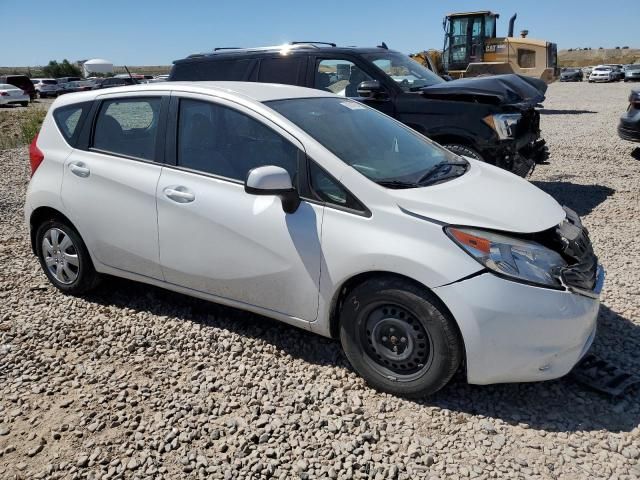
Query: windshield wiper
x=438, y=167
x=397, y=184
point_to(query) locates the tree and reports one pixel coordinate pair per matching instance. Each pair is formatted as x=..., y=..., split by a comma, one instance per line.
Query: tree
x=64, y=69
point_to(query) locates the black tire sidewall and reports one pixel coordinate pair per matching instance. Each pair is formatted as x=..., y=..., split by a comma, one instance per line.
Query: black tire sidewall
x=86, y=272
x=463, y=150
x=445, y=341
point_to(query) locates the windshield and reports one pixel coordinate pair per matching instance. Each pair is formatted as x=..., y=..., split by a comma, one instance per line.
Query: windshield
x=377, y=146
x=633, y=67
x=408, y=73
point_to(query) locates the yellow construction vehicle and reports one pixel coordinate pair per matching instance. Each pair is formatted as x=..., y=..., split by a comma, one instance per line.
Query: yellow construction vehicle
x=471, y=48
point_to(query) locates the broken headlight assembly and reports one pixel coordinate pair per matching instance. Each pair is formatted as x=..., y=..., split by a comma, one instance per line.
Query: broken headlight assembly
x=503, y=124
x=513, y=258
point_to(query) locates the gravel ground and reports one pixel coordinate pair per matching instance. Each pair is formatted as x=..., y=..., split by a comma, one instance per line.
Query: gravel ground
x=137, y=382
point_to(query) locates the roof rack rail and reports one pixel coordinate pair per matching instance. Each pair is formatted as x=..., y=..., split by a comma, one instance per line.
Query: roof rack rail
x=227, y=48
x=313, y=43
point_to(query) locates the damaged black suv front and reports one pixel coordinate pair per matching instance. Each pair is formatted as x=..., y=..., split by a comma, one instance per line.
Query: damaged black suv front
x=496, y=116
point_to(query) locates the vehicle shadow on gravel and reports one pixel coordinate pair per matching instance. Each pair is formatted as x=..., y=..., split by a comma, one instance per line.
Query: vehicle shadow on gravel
x=560, y=405
x=546, y=111
x=580, y=198
x=636, y=153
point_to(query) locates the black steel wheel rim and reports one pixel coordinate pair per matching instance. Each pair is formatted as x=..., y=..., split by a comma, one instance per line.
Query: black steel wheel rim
x=395, y=342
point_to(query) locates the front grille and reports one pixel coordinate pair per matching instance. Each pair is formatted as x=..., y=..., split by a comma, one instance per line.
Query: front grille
x=576, y=247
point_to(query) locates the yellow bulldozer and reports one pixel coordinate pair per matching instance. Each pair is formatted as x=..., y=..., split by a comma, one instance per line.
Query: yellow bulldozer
x=471, y=49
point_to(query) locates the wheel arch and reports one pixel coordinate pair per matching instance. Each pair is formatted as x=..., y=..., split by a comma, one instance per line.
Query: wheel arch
x=42, y=214
x=349, y=284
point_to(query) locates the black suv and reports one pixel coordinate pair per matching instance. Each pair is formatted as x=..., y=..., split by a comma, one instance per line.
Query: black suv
x=491, y=118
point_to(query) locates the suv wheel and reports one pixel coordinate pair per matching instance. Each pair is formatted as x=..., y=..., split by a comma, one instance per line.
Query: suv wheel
x=399, y=338
x=64, y=258
x=463, y=150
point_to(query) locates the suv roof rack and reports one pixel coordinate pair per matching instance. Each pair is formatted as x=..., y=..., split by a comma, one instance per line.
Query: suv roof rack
x=313, y=43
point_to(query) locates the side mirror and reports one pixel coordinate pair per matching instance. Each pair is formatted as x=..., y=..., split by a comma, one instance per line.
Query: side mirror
x=272, y=180
x=372, y=89
x=446, y=77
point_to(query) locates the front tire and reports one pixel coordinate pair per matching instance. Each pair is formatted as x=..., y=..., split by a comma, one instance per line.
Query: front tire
x=64, y=258
x=399, y=337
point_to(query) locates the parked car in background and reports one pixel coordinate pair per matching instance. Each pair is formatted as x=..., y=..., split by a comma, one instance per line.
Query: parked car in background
x=324, y=214
x=62, y=80
x=617, y=72
x=46, y=87
x=22, y=82
x=117, y=82
x=601, y=74
x=571, y=75
x=493, y=119
x=76, y=86
x=632, y=73
x=10, y=94
x=629, y=126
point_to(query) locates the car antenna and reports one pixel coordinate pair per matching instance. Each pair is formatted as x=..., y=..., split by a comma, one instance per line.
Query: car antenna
x=383, y=45
x=131, y=76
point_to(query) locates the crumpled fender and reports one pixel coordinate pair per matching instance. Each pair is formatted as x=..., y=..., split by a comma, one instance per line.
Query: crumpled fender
x=510, y=89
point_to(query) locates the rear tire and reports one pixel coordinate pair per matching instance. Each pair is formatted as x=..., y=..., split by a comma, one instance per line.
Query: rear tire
x=24, y=104
x=463, y=150
x=64, y=258
x=399, y=337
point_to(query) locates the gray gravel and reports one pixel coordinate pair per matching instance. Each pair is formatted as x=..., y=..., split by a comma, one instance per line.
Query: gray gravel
x=137, y=382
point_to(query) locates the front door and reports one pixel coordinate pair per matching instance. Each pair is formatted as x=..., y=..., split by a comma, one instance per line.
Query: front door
x=217, y=239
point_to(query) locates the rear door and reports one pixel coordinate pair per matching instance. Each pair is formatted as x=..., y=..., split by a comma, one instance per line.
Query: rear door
x=109, y=185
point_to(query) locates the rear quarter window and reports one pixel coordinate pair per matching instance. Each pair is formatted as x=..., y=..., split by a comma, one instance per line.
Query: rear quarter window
x=69, y=119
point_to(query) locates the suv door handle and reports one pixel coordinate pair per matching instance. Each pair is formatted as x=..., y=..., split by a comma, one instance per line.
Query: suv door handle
x=79, y=169
x=179, y=194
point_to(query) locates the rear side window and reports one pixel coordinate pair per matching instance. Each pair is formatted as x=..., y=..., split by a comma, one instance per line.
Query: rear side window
x=223, y=70
x=287, y=70
x=128, y=127
x=68, y=120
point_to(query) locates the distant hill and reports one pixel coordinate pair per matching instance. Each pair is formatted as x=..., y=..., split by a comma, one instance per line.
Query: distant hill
x=583, y=58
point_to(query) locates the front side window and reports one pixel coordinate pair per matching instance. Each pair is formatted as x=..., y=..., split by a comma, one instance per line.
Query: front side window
x=409, y=74
x=128, y=127
x=224, y=142
x=380, y=148
x=341, y=77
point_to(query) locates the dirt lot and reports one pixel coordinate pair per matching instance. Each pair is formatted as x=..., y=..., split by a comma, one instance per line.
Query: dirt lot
x=136, y=382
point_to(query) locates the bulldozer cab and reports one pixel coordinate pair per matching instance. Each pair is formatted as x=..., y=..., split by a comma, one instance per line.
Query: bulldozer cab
x=472, y=48
x=466, y=36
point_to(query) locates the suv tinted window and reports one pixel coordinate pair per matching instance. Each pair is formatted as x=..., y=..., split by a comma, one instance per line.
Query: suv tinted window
x=128, y=127
x=68, y=118
x=221, y=70
x=222, y=141
x=287, y=70
x=20, y=81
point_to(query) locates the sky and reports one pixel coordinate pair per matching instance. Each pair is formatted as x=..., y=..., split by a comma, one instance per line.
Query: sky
x=146, y=32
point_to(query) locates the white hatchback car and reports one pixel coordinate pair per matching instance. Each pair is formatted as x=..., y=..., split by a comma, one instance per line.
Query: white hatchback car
x=323, y=213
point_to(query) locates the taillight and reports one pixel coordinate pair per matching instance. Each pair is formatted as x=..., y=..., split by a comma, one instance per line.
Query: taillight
x=35, y=155
x=4, y=94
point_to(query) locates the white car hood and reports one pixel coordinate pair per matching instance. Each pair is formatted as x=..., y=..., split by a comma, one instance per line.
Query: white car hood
x=487, y=197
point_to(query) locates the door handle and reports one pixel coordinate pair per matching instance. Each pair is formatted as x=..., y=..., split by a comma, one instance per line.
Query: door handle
x=79, y=169
x=179, y=194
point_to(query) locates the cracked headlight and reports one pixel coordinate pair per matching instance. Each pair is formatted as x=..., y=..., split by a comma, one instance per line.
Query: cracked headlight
x=503, y=124
x=510, y=257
